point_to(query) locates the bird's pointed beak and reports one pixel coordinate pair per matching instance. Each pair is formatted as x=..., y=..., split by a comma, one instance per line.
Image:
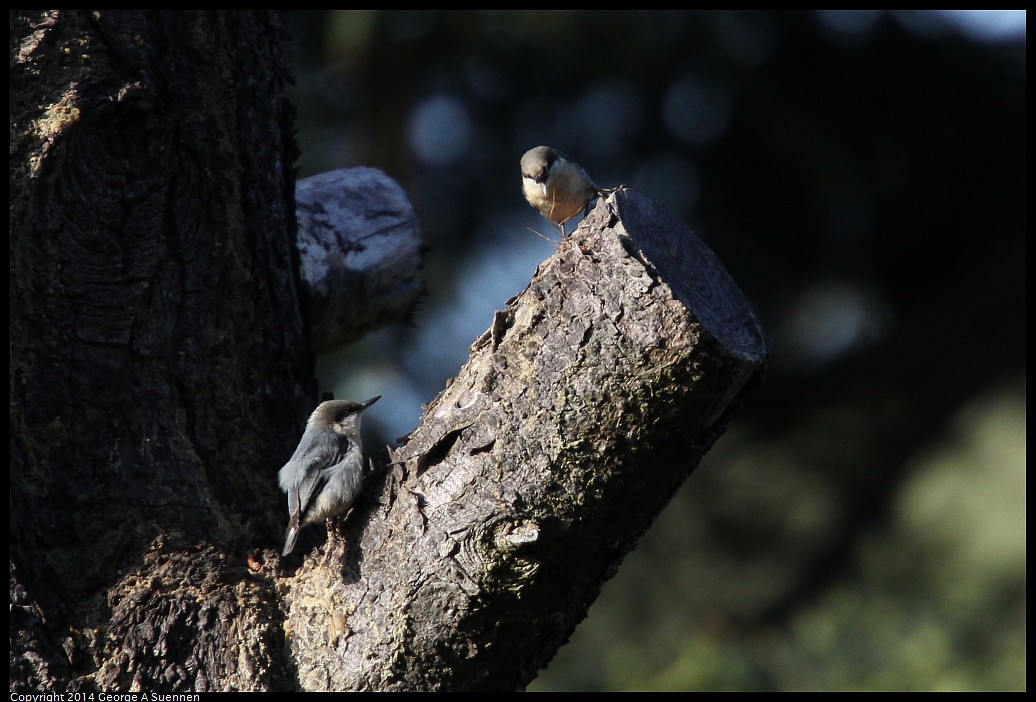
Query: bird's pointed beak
x=368, y=403
x=543, y=187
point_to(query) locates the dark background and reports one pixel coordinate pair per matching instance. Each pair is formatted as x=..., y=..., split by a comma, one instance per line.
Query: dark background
x=862, y=176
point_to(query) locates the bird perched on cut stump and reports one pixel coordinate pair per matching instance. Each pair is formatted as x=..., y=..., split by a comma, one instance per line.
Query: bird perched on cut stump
x=558, y=187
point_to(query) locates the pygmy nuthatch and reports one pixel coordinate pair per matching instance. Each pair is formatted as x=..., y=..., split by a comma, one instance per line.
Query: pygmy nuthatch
x=556, y=185
x=325, y=474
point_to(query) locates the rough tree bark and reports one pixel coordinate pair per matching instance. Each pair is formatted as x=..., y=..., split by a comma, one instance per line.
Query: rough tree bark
x=580, y=412
x=161, y=370
x=159, y=360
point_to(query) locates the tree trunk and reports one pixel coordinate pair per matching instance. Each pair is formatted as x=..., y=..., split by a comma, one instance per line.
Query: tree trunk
x=161, y=369
x=159, y=362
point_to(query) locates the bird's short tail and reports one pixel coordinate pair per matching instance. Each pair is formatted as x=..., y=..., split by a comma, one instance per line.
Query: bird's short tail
x=289, y=537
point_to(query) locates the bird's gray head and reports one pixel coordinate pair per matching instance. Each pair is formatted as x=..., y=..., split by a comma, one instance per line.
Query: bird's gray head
x=536, y=163
x=342, y=416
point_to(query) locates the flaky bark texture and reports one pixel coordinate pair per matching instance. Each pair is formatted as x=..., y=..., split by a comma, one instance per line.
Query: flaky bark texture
x=581, y=410
x=159, y=366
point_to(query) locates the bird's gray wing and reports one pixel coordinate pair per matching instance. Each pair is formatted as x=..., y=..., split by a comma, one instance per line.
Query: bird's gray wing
x=315, y=457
